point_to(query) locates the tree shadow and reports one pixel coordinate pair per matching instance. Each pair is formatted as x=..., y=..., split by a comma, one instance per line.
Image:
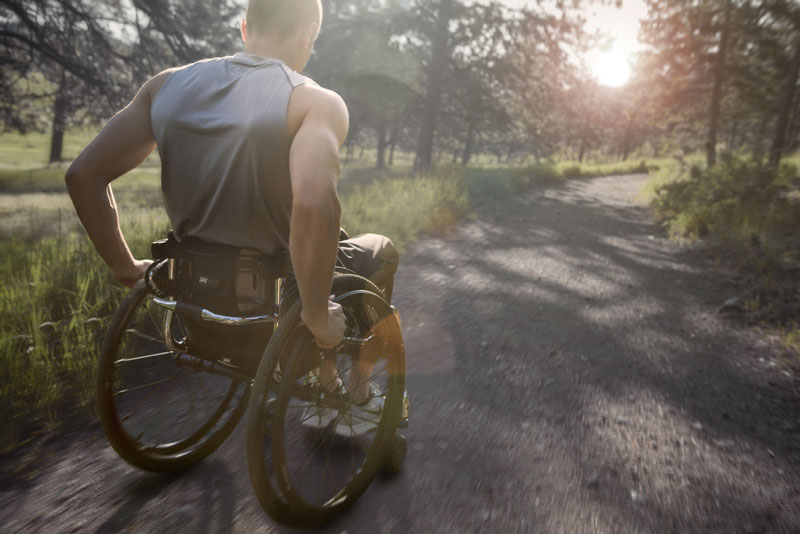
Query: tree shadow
x=210, y=490
x=561, y=301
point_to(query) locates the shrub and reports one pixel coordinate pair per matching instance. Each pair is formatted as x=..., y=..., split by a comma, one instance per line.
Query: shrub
x=536, y=174
x=736, y=198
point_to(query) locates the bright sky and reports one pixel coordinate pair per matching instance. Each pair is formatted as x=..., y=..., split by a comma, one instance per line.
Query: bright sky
x=621, y=25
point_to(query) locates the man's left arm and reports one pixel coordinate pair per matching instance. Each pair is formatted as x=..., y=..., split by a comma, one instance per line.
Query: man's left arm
x=125, y=141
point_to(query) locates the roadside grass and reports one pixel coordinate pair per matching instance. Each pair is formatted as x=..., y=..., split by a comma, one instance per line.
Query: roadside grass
x=406, y=208
x=33, y=149
x=58, y=295
x=549, y=173
x=750, y=218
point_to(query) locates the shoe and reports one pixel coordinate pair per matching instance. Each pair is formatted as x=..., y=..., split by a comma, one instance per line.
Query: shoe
x=316, y=415
x=362, y=418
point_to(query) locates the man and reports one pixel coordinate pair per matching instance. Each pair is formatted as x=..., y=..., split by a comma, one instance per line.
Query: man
x=250, y=158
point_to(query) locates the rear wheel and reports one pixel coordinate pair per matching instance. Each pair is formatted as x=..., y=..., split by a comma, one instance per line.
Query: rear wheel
x=320, y=453
x=160, y=408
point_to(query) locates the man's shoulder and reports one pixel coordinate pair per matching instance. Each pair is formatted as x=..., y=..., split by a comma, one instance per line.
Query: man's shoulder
x=154, y=84
x=315, y=97
x=320, y=105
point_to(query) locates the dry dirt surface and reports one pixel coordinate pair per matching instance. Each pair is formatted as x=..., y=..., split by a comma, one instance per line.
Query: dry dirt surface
x=568, y=373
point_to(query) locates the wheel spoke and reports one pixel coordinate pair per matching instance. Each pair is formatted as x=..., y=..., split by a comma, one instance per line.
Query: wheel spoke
x=140, y=358
x=143, y=335
x=137, y=388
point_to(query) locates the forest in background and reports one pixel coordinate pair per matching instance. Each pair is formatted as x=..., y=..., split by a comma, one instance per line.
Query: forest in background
x=443, y=79
x=449, y=100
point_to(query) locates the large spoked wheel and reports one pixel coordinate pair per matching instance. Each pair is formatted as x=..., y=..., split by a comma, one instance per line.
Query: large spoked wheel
x=311, y=451
x=159, y=409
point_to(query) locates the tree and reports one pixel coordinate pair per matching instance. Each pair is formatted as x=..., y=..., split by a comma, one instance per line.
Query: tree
x=62, y=51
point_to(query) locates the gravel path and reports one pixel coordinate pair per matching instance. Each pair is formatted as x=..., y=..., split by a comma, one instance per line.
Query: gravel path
x=567, y=372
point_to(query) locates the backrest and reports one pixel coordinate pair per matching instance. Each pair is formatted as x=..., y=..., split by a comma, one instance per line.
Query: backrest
x=228, y=281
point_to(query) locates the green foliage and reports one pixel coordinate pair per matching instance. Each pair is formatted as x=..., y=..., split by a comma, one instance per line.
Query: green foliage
x=536, y=174
x=406, y=208
x=736, y=199
x=548, y=174
x=58, y=295
x=57, y=300
x=751, y=216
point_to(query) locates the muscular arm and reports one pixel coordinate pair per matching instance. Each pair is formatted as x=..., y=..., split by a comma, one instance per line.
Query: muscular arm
x=314, y=170
x=122, y=145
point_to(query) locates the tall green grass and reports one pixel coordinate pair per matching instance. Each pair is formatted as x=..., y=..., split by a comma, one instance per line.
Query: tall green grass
x=552, y=173
x=56, y=301
x=58, y=295
x=406, y=208
x=737, y=199
x=749, y=215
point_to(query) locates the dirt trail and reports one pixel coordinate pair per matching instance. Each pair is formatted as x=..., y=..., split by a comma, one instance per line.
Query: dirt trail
x=568, y=373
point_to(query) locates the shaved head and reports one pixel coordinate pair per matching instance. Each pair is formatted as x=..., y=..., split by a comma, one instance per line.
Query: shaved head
x=282, y=18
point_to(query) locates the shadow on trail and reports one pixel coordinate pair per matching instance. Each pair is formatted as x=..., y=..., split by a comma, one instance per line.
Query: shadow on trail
x=209, y=500
x=384, y=509
x=577, y=320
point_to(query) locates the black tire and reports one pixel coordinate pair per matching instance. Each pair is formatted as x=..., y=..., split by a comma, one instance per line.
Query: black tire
x=395, y=455
x=270, y=457
x=132, y=405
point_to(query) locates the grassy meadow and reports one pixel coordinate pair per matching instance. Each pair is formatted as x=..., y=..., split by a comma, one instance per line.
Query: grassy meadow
x=58, y=295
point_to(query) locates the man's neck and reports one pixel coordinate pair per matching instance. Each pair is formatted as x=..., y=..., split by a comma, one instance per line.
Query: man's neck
x=269, y=49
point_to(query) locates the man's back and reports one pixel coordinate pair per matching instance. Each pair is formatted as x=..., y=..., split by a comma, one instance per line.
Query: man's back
x=316, y=123
x=221, y=130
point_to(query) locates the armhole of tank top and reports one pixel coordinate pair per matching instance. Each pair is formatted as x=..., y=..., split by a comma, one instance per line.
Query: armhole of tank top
x=163, y=85
x=304, y=80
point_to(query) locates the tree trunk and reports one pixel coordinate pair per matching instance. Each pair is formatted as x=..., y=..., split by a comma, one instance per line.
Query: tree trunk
x=716, y=94
x=758, y=143
x=785, y=109
x=392, y=143
x=626, y=146
x=790, y=144
x=439, y=52
x=381, y=161
x=468, y=145
x=59, y=121
x=581, y=150
x=734, y=128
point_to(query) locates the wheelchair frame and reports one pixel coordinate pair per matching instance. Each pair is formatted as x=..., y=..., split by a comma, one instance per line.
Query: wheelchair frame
x=274, y=502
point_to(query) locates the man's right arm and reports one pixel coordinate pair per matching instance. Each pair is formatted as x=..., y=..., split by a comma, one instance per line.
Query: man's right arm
x=320, y=121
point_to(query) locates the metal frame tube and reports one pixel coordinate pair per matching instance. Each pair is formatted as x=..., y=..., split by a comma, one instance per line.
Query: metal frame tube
x=207, y=315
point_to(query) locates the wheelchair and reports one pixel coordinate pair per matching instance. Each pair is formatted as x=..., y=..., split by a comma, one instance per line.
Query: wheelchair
x=181, y=363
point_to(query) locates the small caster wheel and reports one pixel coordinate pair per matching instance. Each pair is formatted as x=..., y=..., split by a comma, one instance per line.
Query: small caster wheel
x=395, y=454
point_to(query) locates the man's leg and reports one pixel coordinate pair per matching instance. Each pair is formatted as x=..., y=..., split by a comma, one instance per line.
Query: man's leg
x=374, y=257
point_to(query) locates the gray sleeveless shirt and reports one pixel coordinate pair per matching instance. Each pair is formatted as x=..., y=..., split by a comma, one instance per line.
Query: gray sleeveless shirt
x=223, y=137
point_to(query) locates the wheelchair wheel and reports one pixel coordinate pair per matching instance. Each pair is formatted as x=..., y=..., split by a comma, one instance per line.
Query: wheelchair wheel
x=160, y=411
x=319, y=455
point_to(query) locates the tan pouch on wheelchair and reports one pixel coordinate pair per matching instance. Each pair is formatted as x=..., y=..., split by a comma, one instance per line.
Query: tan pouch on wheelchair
x=227, y=281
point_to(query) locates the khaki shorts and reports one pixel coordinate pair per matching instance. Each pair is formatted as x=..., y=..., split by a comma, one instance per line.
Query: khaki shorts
x=372, y=256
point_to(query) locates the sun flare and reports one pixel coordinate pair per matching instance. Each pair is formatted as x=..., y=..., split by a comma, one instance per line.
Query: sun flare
x=612, y=69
